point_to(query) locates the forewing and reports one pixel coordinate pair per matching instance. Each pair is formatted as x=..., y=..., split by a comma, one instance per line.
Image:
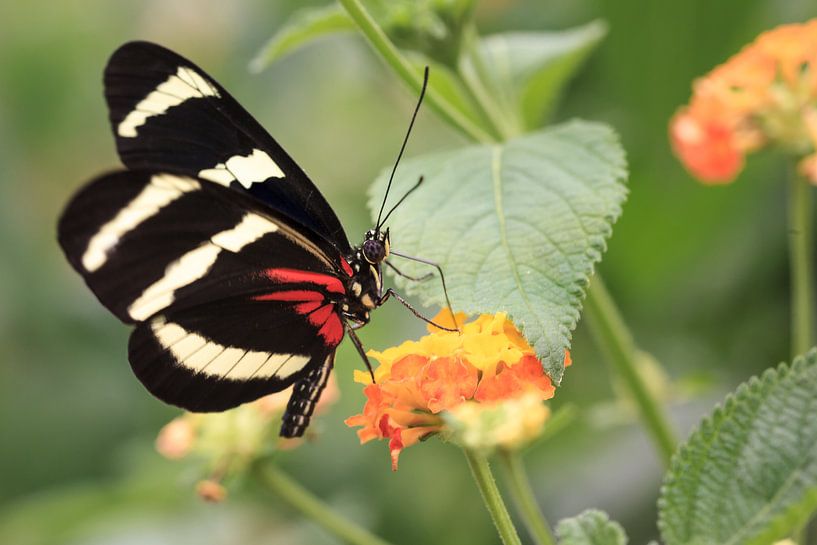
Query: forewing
x=168, y=114
x=231, y=301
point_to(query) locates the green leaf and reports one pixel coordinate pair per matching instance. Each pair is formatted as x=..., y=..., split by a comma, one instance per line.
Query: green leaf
x=590, y=528
x=395, y=18
x=303, y=27
x=516, y=227
x=449, y=87
x=748, y=475
x=433, y=28
x=526, y=71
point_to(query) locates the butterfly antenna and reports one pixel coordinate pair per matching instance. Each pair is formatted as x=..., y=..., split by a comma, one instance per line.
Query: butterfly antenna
x=403, y=148
x=407, y=193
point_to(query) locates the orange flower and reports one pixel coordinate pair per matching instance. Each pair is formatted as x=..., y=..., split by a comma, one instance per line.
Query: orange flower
x=176, y=438
x=228, y=442
x=488, y=363
x=767, y=93
x=211, y=491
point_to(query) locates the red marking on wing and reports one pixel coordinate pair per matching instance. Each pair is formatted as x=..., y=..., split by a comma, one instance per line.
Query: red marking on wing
x=310, y=303
x=346, y=267
x=291, y=295
x=307, y=307
x=294, y=276
x=319, y=317
x=307, y=300
x=331, y=328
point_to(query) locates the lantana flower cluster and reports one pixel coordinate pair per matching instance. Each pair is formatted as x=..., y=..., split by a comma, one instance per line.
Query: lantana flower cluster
x=764, y=95
x=457, y=383
x=228, y=442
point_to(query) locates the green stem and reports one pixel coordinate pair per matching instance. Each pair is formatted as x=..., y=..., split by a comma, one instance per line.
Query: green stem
x=383, y=45
x=313, y=508
x=470, y=71
x=800, y=263
x=616, y=341
x=481, y=96
x=524, y=499
x=490, y=495
x=801, y=222
x=800, y=535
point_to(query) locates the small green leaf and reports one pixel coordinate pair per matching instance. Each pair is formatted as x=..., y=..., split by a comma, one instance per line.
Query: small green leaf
x=516, y=227
x=748, y=475
x=590, y=528
x=303, y=27
x=449, y=87
x=526, y=71
x=433, y=28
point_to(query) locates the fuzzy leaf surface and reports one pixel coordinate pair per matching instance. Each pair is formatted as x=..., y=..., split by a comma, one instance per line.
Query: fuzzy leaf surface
x=748, y=475
x=516, y=227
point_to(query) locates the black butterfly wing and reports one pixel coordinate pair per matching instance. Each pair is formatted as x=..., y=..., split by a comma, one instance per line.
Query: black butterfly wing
x=168, y=114
x=207, y=362
x=230, y=300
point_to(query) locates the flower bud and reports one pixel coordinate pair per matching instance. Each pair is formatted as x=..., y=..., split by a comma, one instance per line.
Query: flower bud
x=508, y=424
x=211, y=491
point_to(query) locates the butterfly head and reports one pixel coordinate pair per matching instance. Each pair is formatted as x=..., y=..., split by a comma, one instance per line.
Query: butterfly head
x=376, y=246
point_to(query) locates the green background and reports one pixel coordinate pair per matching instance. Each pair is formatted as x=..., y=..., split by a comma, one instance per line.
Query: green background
x=699, y=272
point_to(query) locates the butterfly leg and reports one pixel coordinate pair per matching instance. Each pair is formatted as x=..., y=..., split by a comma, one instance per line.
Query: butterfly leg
x=305, y=395
x=407, y=277
x=360, y=350
x=391, y=293
x=442, y=279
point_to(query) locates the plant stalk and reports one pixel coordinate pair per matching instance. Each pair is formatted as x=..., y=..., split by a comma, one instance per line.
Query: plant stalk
x=616, y=342
x=384, y=46
x=491, y=496
x=314, y=509
x=469, y=69
x=524, y=499
x=800, y=209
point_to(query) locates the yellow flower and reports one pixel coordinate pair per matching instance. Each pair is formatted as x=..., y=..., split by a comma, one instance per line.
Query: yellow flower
x=488, y=363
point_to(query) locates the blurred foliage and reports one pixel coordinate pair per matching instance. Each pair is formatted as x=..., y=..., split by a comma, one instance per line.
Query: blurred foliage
x=526, y=71
x=700, y=272
x=590, y=528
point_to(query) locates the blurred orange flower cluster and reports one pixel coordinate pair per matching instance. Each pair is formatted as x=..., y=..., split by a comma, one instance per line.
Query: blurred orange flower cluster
x=488, y=363
x=228, y=442
x=766, y=94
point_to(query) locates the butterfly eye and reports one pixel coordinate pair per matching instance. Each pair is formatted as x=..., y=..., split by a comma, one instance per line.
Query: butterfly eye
x=374, y=251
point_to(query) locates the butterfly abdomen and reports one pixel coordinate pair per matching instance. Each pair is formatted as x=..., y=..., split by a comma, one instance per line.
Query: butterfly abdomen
x=305, y=395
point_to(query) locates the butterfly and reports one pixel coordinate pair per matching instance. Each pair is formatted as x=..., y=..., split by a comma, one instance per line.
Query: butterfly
x=233, y=268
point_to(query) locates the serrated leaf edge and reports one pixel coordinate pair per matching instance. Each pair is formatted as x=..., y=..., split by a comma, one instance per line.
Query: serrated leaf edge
x=597, y=244
x=593, y=516
x=709, y=427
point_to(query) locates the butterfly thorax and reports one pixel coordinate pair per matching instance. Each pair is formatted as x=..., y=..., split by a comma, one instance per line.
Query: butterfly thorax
x=364, y=288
